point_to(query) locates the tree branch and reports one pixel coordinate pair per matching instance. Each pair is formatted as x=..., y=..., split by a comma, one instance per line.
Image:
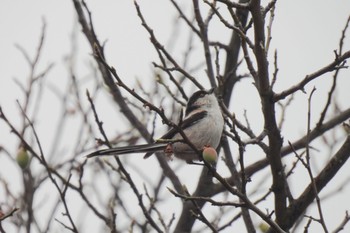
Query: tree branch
x=338, y=63
x=268, y=108
x=298, y=207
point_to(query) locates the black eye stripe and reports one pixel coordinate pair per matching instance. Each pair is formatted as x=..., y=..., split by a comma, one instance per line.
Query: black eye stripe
x=195, y=96
x=190, y=108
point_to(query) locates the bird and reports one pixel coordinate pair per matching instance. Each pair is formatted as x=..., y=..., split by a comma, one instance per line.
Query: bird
x=202, y=124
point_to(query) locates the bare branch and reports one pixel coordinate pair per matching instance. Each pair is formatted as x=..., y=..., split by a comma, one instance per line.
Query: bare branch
x=161, y=48
x=337, y=64
x=204, y=37
x=9, y=214
x=335, y=76
x=308, y=165
x=297, y=208
x=343, y=223
x=268, y=108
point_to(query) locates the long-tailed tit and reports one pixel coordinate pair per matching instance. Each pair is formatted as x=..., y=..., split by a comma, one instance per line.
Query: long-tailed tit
x=203, y=125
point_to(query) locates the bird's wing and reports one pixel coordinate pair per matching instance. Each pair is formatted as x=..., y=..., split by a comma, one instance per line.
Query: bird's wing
x=186, y=123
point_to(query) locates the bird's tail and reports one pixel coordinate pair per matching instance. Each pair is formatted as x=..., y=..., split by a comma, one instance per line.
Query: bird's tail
x=149, y=149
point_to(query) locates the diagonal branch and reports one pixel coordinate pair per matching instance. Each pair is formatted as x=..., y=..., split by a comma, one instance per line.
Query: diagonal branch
x=160, y=48
x=297, y=208
x=338, y=63
x=302, y=142
x=117, y=96
x=230, y=77
x=286, y=150
x=204, y=37
x=335, y=75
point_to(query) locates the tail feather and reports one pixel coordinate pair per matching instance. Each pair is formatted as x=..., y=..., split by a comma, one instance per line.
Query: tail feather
x=145, y=148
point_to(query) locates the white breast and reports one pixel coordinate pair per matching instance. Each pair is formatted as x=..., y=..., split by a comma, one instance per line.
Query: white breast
x=206, y=132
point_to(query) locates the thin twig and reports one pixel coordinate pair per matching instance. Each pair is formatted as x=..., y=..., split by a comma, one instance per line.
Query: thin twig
x=343, y=223
x=338, y=63
x=308, y=165
x=160, y=47
x=9, y=214
x=127, y=176
x=335, y=75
